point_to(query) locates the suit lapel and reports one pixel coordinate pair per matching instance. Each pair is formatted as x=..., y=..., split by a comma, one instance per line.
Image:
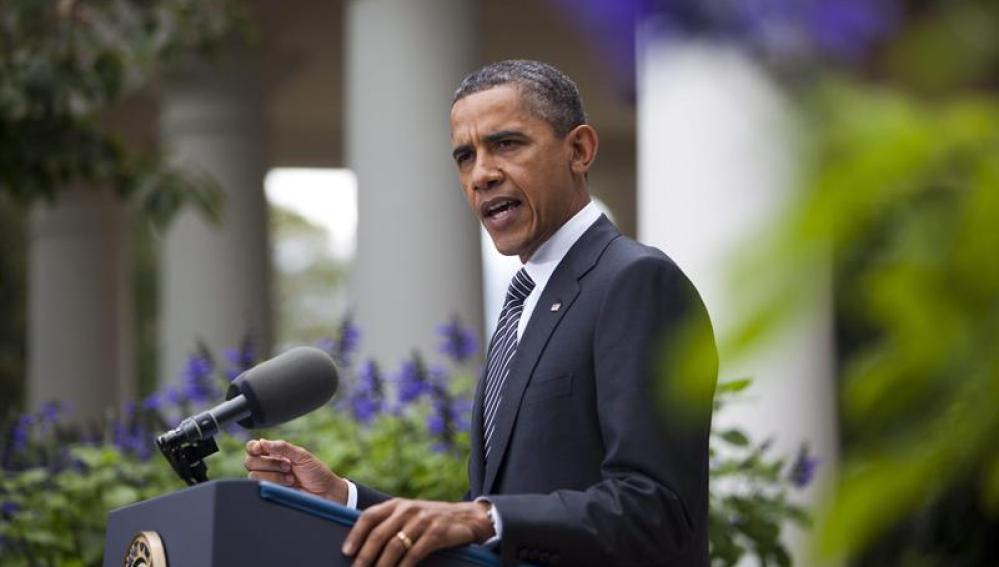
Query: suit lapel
x=563, y=287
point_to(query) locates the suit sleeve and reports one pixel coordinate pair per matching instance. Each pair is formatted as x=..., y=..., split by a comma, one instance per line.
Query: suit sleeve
x=650, y=508
x=367, y=496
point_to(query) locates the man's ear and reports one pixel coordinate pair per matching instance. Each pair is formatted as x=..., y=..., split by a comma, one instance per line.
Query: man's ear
x=583, y=141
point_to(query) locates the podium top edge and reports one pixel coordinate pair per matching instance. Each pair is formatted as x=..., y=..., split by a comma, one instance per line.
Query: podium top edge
x=334, y=512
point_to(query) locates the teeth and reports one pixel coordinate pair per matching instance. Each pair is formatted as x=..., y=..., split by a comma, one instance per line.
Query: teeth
x=499, y=207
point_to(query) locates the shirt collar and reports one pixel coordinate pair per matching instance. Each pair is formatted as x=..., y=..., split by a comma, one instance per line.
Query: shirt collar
x=547, y=257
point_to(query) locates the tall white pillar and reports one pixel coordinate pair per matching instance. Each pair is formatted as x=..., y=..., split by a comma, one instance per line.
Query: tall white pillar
x=717, y=165
x=418, y=259
x=79, y=304
x=215, y=279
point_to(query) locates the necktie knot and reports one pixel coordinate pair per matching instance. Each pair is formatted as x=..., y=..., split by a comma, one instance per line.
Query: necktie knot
x=520, y=286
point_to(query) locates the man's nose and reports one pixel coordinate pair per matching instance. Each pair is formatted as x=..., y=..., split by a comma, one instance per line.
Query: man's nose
x=486, y=174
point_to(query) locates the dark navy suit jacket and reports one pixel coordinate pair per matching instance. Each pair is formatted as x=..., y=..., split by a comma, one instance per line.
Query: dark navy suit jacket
x=595, y=461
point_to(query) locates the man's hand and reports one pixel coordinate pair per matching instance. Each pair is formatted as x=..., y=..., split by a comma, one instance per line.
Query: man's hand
x=428, y=526
x=290, y=465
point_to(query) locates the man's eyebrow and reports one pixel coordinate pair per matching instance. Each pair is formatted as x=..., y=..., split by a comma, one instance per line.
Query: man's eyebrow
x=489, y=139
x=502, y=134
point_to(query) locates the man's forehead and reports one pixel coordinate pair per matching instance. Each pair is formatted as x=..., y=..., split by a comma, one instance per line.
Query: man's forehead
x=486, y=112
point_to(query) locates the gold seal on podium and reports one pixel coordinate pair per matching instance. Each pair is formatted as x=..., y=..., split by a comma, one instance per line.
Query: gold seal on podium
x=146, y=550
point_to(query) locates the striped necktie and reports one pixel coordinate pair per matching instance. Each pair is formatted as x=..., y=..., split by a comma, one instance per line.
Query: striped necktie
x=501, y=350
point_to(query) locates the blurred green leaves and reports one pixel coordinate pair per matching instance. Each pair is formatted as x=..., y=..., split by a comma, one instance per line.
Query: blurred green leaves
x=63, y=64
x=903, y=194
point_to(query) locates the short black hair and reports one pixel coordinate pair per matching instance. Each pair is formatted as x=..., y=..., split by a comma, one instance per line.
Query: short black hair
x=549, y=93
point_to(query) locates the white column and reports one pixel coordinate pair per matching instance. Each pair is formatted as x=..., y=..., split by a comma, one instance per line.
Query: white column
x=79, y=304
x=215, y=279
x=717, y=165
x=418, y=257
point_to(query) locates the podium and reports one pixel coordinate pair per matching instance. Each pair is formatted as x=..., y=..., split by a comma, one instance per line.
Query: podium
x=244, y=523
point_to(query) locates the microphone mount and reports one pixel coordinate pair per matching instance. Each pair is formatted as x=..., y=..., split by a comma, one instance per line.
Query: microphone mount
x=186, y=446
x=188, y=457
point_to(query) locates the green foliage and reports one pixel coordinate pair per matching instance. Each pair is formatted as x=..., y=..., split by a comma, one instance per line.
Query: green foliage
x=909, y=195
x=54, y=512
x=63, y=63
x=61, y=513
x=395, y=454
x=905, y=193
x=750, y=502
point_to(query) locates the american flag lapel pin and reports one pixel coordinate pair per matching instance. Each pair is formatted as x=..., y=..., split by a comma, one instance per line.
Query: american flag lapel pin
x=556, y=306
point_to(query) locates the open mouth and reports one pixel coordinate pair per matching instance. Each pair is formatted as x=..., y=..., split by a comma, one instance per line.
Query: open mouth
x=499, y=207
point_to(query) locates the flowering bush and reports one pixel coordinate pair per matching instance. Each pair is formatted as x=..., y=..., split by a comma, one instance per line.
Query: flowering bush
x=404, y=432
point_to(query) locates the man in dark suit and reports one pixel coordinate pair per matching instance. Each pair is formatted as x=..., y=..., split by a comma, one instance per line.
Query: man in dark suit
x=584, y=449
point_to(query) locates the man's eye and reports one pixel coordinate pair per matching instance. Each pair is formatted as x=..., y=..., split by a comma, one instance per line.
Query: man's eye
x=462, y=158
x=505, y=144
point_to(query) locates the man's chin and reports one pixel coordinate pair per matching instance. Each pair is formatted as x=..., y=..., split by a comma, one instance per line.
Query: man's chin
x=506, y=248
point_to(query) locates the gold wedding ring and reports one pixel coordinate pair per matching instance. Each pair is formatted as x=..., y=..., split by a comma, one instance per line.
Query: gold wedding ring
x=401, y=536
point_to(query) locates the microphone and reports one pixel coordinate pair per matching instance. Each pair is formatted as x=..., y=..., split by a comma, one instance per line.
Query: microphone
x=278, y=390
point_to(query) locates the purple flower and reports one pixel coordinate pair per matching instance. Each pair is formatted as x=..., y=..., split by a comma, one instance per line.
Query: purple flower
x=364, y=407
x=457, y=341
x=51, y=412
x=350, y=338
x=780, y=30
x=412, y=381
x=436, y=424
x=21, y=432
x=240, y=359
x=197, y=382
x=153, y=402
x=343, y=349
x=47, y=416
x=803, y=469
x=175, y=396
x=449, y=415
x=846, y=29
x=130, y=437
x=368, y=397
x=8, y=509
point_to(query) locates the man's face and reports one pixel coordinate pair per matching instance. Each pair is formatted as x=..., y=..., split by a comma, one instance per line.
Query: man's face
x=517, y=175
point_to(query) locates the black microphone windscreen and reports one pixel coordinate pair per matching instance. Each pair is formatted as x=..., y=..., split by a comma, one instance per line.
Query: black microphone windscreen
x=285, y=387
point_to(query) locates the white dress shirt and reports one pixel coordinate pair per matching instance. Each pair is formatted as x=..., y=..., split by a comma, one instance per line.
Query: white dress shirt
x=549, y=255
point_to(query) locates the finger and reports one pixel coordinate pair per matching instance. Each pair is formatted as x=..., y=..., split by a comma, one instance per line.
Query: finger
x=368, y=520
x=437, y=533
x=294, y=453
x=423, y=547
x=277, y=478
x=416, y=531
x=253, y=447
x=396, y=551
x=382, y=544
x=267, y=464
x=393, y=551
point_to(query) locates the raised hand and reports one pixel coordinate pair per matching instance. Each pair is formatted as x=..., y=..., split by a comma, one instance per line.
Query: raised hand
x=282, y=463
